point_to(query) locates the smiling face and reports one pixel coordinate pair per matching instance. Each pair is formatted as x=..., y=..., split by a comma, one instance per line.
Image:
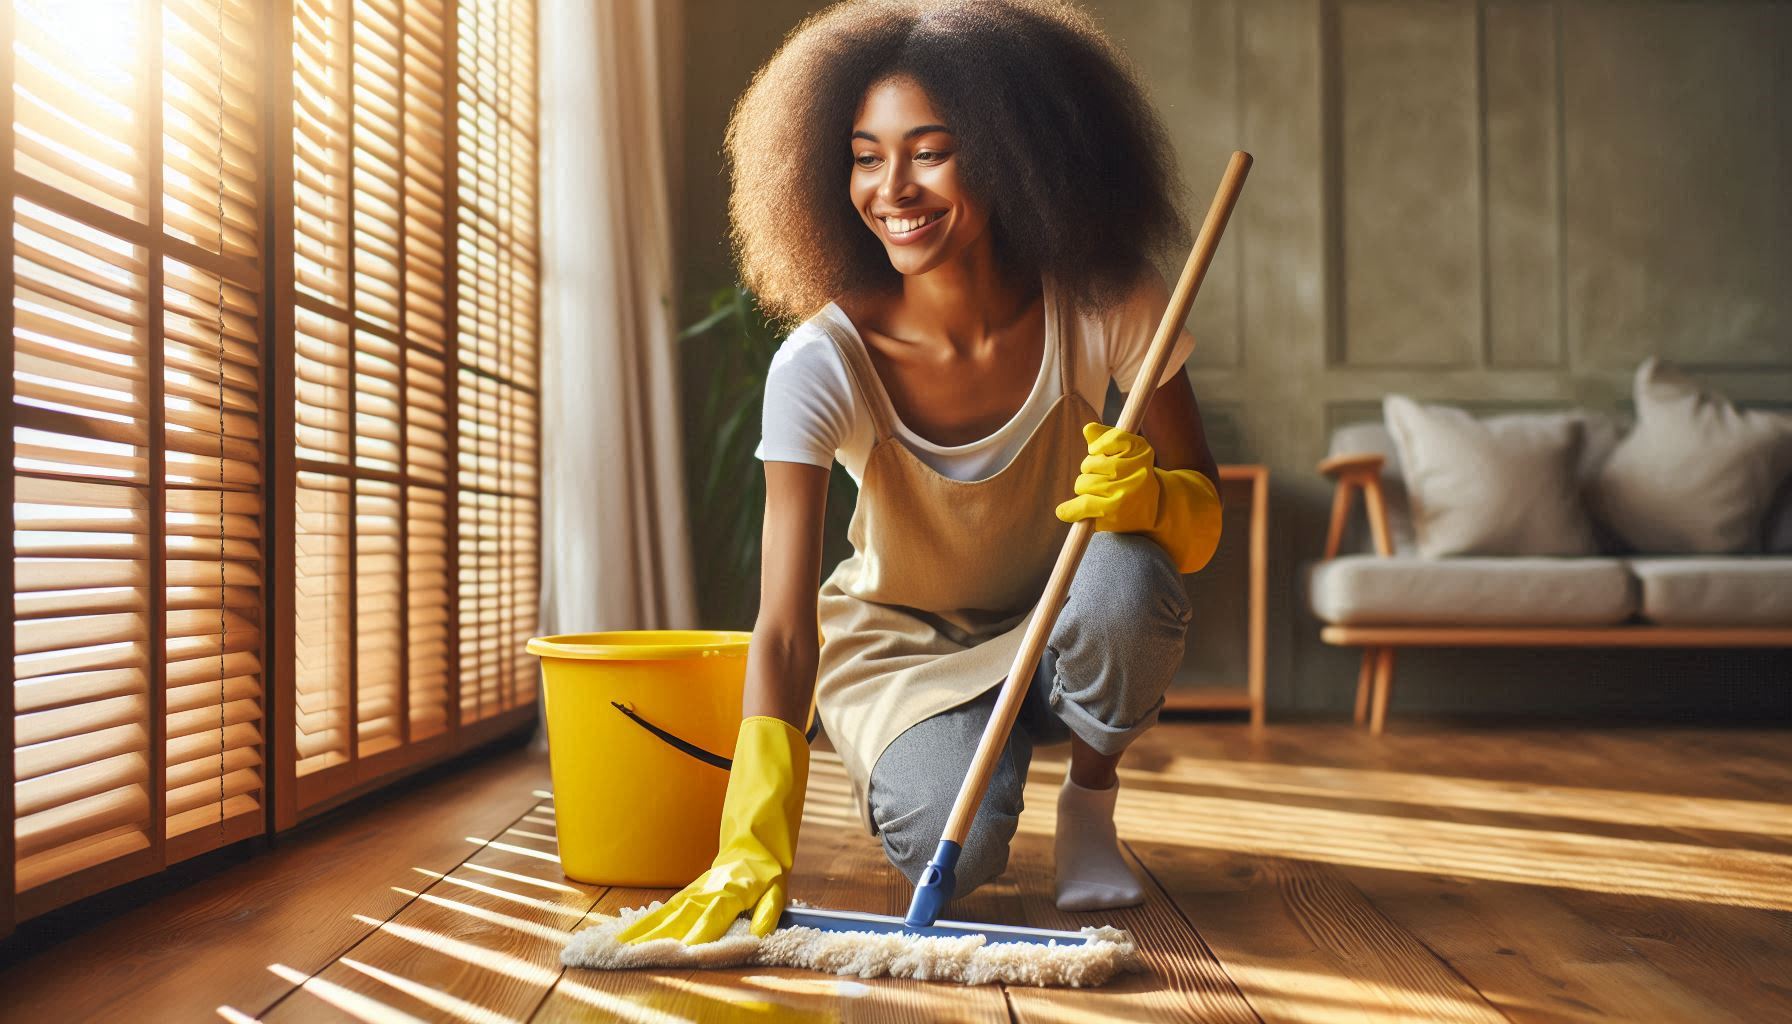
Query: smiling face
x=905, y=179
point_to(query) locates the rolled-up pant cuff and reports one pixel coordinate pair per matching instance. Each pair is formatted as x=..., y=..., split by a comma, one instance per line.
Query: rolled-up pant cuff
x=1103, y=737
x=1116, y=645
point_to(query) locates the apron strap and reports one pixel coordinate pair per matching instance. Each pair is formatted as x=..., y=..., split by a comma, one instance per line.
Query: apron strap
x=863, y=374
x=1055, y=325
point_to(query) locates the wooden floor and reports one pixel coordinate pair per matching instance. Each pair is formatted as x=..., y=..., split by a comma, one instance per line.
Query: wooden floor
x=1304, y=873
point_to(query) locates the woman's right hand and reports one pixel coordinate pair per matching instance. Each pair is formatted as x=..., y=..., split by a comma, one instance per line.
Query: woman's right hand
x=760, y=817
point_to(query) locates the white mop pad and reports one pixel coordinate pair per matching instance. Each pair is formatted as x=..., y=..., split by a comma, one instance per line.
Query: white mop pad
x=969, y=960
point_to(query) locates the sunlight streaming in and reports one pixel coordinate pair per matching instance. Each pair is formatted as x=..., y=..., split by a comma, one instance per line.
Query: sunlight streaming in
x=1512, y=854
x=623, y=1009
x=513, y=848
x=1308, y=996
x=503, y=894
x=518, y=877
x=810, y=986
x=733, y=1002
x=354, y=1004
x=457, y=1008
x=1619, y=806
x=531, y=835
x=467, y=952
x=516, y=924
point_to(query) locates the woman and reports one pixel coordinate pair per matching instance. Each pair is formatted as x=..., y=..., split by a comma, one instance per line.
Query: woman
x=963, y=200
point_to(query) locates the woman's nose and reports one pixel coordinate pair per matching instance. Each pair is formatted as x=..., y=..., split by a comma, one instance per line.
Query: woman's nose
x=897, y=183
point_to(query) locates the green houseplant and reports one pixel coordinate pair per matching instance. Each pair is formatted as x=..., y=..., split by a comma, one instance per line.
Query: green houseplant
x=726, y=356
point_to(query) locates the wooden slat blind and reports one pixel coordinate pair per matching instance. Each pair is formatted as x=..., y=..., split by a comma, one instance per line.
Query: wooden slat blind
x=270, y=273
x=414, y=273
x=135, y=286
x=499, y=515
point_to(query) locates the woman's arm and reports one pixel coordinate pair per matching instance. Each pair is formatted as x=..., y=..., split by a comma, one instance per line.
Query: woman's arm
x=782, y=658
x=1174, y=429
x=762, y=810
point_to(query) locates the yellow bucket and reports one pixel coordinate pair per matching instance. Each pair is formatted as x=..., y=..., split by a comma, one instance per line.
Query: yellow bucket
x=641, y=725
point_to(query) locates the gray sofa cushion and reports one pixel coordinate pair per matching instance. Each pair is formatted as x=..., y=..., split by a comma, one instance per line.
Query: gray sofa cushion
x=1715, y=591
x=1601, y=434
x=1495, y=485
x=1697, y=476
x=1365, y=590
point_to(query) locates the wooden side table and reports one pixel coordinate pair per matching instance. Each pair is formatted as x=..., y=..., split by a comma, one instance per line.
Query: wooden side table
x=1254, y=480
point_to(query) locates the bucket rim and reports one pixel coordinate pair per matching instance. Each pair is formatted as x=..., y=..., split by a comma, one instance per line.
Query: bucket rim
x=643, y=644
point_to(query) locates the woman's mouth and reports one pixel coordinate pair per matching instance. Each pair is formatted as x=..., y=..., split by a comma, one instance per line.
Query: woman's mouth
x=902, y=230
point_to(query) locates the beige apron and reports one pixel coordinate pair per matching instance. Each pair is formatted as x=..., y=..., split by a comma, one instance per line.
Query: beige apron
x=928, y=612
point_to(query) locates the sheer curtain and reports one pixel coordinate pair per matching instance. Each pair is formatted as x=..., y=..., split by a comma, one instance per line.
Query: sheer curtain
x=616, y=554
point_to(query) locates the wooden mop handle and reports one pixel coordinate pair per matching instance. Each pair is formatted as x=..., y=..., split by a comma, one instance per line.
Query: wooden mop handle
x=1045, y=614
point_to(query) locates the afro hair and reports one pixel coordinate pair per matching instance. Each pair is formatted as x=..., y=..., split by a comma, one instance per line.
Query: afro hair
x=1054, y=133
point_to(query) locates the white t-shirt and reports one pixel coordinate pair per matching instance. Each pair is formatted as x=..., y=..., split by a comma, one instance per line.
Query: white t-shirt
x=813, y=415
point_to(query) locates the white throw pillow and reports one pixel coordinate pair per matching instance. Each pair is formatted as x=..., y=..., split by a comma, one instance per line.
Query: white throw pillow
x=1505, y=485
x=1696, y=475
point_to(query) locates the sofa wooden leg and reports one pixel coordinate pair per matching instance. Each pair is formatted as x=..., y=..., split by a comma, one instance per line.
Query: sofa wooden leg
x=1364, y=675
x=1384, y=681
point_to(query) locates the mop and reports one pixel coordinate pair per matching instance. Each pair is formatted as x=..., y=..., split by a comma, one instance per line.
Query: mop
x=920, y=945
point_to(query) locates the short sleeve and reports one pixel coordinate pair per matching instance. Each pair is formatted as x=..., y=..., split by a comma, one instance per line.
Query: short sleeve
x=808, y=410
x=1127, y=330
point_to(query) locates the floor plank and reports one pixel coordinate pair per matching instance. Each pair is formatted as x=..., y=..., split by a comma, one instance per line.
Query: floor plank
x=300, y=905
x=481, y=943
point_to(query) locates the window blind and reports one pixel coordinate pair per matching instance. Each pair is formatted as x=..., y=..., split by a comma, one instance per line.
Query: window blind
x=369, y=99
x=135, y=306
x=271, y=478
x=496, y=395
x=414, y=276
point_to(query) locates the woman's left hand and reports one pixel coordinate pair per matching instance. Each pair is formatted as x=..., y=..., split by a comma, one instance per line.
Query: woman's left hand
x=1121, y=489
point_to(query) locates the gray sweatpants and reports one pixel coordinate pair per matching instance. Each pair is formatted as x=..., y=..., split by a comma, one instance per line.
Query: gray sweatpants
x=1109, y=660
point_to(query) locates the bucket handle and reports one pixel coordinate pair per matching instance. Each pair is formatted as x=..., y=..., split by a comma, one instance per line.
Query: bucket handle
x=687, y=747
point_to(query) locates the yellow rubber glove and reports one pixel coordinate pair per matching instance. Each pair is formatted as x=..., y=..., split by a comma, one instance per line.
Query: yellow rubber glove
x=760, y=815
x=1123, y=492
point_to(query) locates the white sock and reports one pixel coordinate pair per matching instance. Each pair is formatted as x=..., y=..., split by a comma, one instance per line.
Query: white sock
x=1092, y=874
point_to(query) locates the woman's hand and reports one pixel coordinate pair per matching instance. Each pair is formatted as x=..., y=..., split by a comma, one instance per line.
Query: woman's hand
x=764, y=803
x=1124, y=492
x=1117, y=487
x=760, y=817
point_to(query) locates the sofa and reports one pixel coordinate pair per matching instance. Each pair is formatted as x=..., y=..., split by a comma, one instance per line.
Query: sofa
x=1373, y=589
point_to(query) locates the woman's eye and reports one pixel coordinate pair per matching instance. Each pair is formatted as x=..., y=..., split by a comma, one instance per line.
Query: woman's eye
x=926, y=156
